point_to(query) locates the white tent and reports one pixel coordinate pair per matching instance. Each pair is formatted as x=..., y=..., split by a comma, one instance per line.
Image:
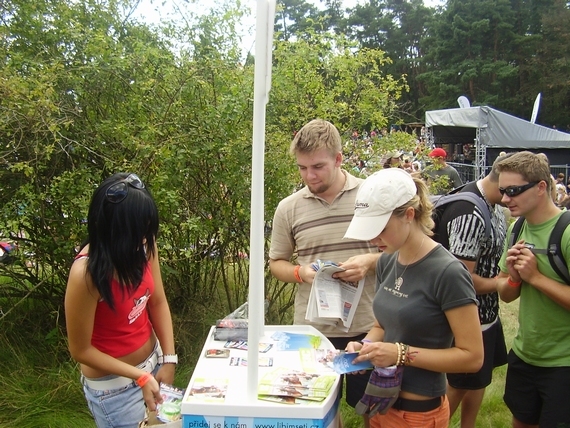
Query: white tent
x=486, y=128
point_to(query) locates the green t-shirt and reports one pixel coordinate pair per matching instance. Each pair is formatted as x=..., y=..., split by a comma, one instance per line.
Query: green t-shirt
x=543, y=336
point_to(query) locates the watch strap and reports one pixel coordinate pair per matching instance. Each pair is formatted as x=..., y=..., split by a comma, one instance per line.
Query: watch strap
x=168, y=359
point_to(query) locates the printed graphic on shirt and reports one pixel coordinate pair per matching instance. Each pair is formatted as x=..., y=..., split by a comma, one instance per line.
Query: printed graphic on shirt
x=139, y=306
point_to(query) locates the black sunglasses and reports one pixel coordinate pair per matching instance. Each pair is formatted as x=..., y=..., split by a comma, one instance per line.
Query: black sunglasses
x=119, y=191
x=513, y=191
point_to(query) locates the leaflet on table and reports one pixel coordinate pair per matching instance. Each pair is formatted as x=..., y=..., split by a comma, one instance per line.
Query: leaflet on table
x=285, y=341
x=284, y=376
x=332, y=299
x=283, y=382
x=318, y=360
x=208, y=389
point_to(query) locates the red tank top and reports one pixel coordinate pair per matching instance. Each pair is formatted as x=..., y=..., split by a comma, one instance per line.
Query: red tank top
x=127, y=328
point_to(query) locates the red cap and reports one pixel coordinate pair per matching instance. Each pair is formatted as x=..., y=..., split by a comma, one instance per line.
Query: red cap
x=438, y=153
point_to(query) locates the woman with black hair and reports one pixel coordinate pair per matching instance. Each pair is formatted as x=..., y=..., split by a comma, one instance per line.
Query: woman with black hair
x=118, y=320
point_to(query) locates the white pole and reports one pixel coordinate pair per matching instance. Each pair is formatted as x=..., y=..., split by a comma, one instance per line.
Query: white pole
x=262, y=84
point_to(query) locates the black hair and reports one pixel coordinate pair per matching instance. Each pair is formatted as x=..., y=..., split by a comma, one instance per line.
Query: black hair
x=121, y=237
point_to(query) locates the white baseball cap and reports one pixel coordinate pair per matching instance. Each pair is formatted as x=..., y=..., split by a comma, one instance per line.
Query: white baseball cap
x=378, y=196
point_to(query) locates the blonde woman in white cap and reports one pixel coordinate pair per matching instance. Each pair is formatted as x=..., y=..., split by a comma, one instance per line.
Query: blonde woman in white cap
x=425, y=306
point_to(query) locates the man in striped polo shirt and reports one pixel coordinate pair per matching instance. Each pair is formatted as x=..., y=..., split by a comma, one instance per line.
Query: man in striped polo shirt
x=310, y=224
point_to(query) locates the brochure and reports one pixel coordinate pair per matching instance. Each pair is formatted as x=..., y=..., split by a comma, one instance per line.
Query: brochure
x=262, y=362
x=292, y=391
x=169, y=409
x=288, y=400
x=343, y=363
x=208, y=390
x=294, y=341
x=332, y=299
x=318, y=360
x=285, y=377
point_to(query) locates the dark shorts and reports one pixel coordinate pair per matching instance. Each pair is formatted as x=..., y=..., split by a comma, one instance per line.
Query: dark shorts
x=538, y=395
x=495, y=356
x=355, y=383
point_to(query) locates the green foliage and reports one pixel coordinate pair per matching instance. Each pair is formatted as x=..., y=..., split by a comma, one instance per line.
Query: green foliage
x=88, y=92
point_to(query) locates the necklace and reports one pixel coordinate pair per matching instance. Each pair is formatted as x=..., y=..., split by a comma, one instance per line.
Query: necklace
x=400, y=280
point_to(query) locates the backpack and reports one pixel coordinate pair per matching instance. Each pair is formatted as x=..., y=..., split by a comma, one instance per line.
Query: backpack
x=440, y=202
x=554, y=250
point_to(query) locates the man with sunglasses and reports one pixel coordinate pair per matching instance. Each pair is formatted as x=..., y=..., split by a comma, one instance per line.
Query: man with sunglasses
x=461, y=229
x=538, y=377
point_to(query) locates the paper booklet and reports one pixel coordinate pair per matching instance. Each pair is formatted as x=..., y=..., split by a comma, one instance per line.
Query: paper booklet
x=332, y=299
x=283, y=382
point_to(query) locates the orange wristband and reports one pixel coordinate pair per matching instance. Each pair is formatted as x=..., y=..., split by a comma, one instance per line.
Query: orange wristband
x=512, y=283
x=142, y=381
x=296, y=273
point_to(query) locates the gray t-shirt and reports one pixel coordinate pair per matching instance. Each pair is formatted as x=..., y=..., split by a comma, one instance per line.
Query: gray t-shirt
x=415, y=315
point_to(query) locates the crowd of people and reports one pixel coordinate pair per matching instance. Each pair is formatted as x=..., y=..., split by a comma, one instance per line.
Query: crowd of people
x=432, y=307
x=431, y=165
x=429, y=307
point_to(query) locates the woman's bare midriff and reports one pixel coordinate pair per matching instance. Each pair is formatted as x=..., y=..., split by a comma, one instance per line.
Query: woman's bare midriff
x=412, y=396
x=134, y=359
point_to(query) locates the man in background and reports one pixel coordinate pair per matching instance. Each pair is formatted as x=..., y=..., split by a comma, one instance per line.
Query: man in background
x=311, y=224
x=440, y=168
x=461, y=229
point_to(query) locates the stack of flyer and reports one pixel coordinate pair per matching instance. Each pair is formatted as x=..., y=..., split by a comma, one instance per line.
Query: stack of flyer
x=288, y=386
x=332, y=299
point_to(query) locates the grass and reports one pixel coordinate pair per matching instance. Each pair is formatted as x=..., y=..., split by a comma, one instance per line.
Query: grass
x=40, y=384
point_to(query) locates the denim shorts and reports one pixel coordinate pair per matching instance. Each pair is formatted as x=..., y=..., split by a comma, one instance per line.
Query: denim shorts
x=117, y=408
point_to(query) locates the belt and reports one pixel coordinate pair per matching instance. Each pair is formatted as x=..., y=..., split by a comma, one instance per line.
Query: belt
x=117, y=382
x=417, y=405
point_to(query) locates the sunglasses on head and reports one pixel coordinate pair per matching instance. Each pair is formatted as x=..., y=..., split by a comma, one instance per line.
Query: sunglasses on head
x=512, y=191
x=119, y=191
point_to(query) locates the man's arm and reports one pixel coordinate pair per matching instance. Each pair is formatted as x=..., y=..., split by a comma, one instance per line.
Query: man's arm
x=507, y=293
x=358, y=266
x=284, y=271
x=456, y=179
x=482, y=285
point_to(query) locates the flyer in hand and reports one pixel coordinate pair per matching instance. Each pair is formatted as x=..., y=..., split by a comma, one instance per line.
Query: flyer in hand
x=343, y=363
x=333, y=299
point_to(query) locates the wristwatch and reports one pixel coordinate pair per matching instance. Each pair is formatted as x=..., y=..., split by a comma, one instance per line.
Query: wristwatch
x=168, y=359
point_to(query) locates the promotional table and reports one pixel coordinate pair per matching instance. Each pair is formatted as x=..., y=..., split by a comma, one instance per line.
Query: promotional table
x=232, y=409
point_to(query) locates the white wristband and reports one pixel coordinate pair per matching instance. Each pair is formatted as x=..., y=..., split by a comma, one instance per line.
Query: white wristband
x=168, y=359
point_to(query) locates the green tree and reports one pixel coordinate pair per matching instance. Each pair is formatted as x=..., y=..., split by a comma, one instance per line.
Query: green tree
x=469, y=53
x=397, y=28
x=88, y=92
x=545, y=65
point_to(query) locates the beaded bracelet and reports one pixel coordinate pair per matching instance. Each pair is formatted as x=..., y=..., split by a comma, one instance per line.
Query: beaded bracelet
x=403, y=359
x=406, y=354
x=143, y=379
